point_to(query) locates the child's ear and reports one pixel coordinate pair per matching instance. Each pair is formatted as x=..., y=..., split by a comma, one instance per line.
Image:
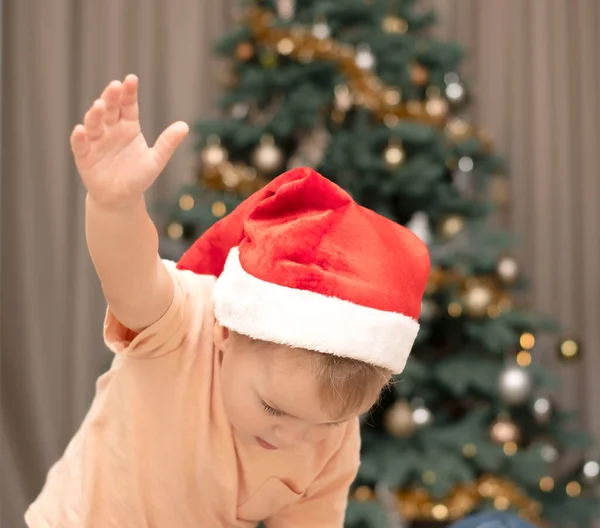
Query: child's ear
x=221, y=336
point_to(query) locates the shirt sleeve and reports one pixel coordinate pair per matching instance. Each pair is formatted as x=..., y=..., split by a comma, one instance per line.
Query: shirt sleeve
x=169, y=331
x=324, y=504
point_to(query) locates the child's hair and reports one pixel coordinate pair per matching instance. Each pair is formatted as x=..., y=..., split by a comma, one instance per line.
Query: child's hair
x=346, y=385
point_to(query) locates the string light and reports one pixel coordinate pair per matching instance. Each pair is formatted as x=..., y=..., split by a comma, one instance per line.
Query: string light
x=524, y=358
x=527, y=341
x=546, y=483
x=186, y=202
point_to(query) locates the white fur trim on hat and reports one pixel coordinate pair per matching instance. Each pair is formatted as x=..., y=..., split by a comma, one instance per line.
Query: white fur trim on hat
x=304, y=319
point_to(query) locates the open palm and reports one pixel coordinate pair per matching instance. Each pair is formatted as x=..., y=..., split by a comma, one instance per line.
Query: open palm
x=112, y=156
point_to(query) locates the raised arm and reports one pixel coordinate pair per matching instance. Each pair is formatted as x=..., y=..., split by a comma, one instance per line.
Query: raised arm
x=117, y=166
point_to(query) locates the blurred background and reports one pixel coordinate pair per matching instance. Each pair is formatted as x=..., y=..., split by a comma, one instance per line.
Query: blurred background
x=532, y=76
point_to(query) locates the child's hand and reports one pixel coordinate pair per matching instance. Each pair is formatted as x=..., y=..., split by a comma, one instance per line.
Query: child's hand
x=111, y=154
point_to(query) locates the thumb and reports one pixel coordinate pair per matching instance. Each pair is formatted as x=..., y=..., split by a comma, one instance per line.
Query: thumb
x=168, y=142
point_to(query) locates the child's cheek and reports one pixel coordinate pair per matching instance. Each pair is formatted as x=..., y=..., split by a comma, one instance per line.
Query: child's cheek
x=317, y=433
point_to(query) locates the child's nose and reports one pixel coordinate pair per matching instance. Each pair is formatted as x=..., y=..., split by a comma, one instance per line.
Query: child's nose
x=292, y=434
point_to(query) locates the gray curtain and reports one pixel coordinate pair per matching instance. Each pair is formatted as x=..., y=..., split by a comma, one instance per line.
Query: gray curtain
x=534, y=63
x=58, y=56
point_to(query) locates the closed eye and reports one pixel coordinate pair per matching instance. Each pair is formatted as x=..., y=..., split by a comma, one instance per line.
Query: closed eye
x=268, y=409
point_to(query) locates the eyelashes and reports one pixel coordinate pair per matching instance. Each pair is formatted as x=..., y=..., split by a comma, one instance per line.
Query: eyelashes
x=274, y=412
x=269, y=410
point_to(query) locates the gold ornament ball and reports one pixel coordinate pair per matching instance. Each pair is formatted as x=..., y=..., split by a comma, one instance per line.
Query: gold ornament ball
x=437, y=107
x=219, y=209
x=213, y=155
x=477, y=298
x=392, y=97
x=391, y=120
x=363, y=493
x=451, y=226
x=230, y=177
x=439, y=512
x=457, y=128
x=267, y=157
x=399, y=420
x=285, y=46
x=394, y=24
x=419, y=75
x=175, y=231
x=414, y=107
x=503, y=431
x=394, y=155
x=569, y=349
x=507, y=270
x=244, y=51
x=455, y=309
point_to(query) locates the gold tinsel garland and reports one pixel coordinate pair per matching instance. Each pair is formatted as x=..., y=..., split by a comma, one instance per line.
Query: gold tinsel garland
x=418, y=505
x=364, y=88
x=369, y=91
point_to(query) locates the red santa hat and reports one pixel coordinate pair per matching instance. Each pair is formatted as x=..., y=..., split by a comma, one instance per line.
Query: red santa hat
x=300, y=263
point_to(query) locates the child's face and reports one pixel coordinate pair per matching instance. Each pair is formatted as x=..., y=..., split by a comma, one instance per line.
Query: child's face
x=270, y=397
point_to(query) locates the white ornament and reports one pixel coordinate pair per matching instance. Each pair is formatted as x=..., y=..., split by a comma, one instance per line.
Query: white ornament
x=542, y=409
x=321, y=30
x=421, y=415
x=515, y=384
x=365, y=59
x=549, y=453
x=591, y=471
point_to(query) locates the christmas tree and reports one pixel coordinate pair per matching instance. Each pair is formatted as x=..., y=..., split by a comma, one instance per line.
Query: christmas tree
x=358, y=90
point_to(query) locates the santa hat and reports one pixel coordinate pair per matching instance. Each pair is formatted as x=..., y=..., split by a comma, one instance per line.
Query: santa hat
x=300, y=263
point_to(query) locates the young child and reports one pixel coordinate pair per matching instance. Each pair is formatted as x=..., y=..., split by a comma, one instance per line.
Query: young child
x=239, y=374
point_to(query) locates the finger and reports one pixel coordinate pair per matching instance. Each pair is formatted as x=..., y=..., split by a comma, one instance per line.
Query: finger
x=93, y=120
x=112, y=98
x=79, y=142
x=129, y=98
x=168, y=142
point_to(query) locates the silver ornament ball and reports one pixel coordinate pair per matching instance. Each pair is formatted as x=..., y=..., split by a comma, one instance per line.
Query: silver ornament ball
x=542, y=410
x=213, y=154
x=508, y=270
x=421, y=415
x=267, y=157
x=515, y=385
x=549, y=453
x=591, y=471
x=365, y=59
